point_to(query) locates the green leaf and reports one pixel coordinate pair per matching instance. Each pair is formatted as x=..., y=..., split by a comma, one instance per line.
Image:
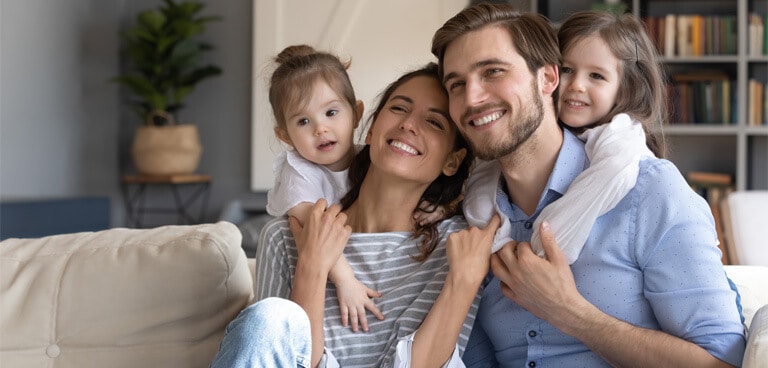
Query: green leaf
x=152, y=20
x=164, y=55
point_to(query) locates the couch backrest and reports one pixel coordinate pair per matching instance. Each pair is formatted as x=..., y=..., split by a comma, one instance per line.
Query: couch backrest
x=121, y=297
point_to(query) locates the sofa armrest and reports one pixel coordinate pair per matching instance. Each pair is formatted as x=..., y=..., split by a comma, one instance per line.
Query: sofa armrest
x=756, y=354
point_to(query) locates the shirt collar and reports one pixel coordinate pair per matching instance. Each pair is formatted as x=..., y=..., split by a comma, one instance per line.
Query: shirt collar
x=571, y=161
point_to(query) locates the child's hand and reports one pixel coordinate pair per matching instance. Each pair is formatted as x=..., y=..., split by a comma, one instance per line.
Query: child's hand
x=423, y=217
x=354, y=299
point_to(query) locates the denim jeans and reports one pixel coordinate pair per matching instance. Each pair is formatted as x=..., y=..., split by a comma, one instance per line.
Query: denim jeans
x=273, y=332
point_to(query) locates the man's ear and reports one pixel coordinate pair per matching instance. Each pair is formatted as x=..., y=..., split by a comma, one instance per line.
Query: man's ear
x=453, y=162
x=282, y=135
x=359, y=109
x=549, y=78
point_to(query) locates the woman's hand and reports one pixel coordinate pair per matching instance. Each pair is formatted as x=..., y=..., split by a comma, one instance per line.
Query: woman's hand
x=469, y=250
x=323, y=238
x=319, y=242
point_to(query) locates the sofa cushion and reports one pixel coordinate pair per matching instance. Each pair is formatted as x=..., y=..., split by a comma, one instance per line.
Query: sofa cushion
x=121, y=297
x=757, y=349
x=750, y=282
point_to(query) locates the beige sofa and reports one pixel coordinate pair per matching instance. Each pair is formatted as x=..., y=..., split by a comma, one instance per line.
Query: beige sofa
x=162, y=297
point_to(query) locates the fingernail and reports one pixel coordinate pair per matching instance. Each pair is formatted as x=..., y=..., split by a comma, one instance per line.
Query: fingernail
x=545, y=226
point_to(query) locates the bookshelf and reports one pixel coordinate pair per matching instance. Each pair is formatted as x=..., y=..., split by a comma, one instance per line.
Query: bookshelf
x=720, y=138
x=736, y=141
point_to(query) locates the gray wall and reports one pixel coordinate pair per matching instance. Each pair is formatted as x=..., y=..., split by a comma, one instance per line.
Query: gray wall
x=64, y=130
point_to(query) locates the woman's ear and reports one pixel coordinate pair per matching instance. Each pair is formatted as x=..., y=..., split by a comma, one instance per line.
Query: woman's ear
x=453, y=162
x=282, y=135
x=359, y=109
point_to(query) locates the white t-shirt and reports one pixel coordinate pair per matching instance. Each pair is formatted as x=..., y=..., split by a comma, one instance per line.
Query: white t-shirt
x=299, y=180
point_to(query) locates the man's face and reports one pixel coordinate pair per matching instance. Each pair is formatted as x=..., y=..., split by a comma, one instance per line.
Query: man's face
x=494, y=99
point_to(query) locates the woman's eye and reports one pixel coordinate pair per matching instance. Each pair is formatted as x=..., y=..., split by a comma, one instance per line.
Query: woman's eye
x=436, y=123
x=331, y=112
x=398, y=108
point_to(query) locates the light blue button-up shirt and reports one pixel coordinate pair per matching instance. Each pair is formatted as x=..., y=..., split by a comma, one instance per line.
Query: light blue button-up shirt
x=652, y=261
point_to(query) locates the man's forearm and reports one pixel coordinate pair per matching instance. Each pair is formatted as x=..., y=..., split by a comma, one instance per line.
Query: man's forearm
x=624, y=345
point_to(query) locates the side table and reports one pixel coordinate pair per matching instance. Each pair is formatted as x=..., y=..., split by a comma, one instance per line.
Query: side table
x=189, y=191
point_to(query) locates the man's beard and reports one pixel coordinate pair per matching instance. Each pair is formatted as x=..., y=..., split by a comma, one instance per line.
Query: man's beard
x=529, y=118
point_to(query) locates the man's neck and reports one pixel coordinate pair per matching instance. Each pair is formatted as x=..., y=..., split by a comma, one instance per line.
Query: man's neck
x=528, y=169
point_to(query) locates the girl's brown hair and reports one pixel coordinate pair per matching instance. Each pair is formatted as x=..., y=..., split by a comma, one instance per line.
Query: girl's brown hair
x=445, y=191
x=642, y=91
x=298, y=68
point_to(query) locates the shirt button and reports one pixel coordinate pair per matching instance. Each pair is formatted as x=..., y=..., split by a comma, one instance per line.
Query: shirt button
x=53, y=351
x=531, y=364
x=528, y=224
x=532, y=333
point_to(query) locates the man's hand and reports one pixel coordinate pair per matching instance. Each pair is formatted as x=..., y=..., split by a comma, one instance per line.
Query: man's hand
x=544, y=287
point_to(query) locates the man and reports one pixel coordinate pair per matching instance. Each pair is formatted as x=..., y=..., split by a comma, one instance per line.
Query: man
x=648, y=288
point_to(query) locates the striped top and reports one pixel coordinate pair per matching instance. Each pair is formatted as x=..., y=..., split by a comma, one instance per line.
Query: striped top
x=383, y=262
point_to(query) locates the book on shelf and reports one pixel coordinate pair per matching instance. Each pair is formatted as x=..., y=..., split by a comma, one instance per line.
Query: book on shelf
x=693, y=34
x=758, y=99
x=757, y=42
x=702, y=97
x=714, y=187
x=708, y=179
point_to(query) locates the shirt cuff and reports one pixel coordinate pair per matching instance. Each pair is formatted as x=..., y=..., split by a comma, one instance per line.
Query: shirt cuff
x=403, y=354
x=328, y=360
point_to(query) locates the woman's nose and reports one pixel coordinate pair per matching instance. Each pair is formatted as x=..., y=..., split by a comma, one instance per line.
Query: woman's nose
x=409, y=123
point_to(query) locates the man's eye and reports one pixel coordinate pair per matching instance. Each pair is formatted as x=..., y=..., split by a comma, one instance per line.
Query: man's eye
x=492, y=71
x=455, y=85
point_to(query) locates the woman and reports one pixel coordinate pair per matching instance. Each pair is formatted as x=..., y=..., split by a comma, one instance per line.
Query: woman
x=428, y=279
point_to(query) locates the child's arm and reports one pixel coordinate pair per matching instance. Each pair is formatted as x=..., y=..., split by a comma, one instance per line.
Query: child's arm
x=354, y=296
x=301, y=212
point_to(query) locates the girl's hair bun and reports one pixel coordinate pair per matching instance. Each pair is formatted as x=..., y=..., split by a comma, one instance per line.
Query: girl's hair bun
x=294, y=51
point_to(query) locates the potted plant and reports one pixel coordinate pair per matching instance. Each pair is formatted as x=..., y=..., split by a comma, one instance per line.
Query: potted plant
x=164, y=65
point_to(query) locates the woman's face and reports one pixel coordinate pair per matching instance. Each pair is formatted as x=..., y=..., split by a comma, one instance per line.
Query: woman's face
x=413, y=136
